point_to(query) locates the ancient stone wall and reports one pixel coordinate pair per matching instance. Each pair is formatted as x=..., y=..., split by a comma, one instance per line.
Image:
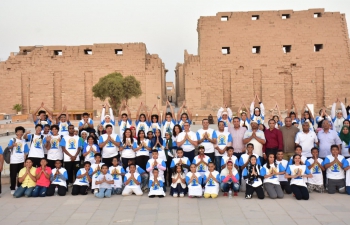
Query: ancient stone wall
x=299, y=55
x=64, y=75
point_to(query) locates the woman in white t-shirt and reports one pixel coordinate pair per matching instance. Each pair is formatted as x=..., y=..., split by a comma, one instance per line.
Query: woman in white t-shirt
x=142, y=150
x=127, y=147
x=271, y=171
x=298, y=174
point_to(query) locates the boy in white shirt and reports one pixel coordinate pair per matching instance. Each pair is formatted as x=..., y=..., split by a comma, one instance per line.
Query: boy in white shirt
x=19, y=152
x=156, y=184
x=201, y=161
x=144, y=175
x=182, y=160
x=155, y=162
x=83, y=179
x=58, y=180
x=132, y=182
x=334, y=165
x=229, y=157
x=117, y=172
x=96, y=168
x=36, y=147
x=315, y=183
x=285, y=185
x=105, y=182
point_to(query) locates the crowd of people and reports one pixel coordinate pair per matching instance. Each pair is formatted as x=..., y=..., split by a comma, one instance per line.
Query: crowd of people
x=153, y=153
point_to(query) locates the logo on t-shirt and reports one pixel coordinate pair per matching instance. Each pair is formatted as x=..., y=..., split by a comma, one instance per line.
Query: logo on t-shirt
x=316, y=170
x=19, y=147
x=37, y=143
x=202, y=167
x=222, y=140
x=72, y=143
x=54, y=143
x=211, y=182
x=335, y=168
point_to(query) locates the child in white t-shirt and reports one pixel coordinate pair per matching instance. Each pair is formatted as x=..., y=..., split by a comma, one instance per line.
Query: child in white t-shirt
x=315, y=183
x=201, y=161
x=178, y=185
x=132, y=182
x=155, y=185
x=96, y=168
x=83, y=179
x=194, y=182
x=117, y=172
x=105, y=182
x=211, y=181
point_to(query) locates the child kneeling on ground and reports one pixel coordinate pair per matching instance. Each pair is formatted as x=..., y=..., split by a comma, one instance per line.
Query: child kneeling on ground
x=194, y=182
x=178, y=185
x=83, y=179
x=132, y=182
x=156, y=184
x=229, y=179
x=212, y=182
x=105, y=182
x=117, y=172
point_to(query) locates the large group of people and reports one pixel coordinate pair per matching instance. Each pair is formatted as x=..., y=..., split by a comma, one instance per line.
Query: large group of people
x=153, y=153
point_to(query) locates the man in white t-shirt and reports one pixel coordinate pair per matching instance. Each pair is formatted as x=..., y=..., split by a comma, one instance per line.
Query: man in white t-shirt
x=255, y=137
x=187, y=140
x=306, y=139
x=208, y=138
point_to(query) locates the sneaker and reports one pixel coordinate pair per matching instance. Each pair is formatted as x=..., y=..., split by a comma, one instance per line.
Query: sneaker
x=225, y=194
x=235, y=194
x=96, y=190
x=12, y=192
x=182, y=195
x=175, y=195
x=190, y=196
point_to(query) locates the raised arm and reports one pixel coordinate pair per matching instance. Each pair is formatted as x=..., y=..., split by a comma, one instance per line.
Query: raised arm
x=111, y=115
x=189, y=113
x=138, y=112
x=171, y=110
x=128, y=110
x=103, y=113
x=179, y=112
x=279, y=112
x=311, y=115
x=295, y=110
x=59, y=115
x=35, y=112
x=120, y=111
x=47, y=110
x=248, y=111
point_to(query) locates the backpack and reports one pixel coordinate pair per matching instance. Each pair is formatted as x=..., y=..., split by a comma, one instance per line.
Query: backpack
x=7, y=153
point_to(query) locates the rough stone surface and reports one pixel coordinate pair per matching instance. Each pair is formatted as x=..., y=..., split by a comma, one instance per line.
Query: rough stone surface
x=210, y=79
x=64, y=75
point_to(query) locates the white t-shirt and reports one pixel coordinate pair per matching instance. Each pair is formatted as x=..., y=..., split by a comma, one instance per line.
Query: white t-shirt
x=84, y=180
x=128, y=151
x=293, y=170
x=118, y=180
x=317, y=177
x=224, y=139
x=55, y=152
x=202, y=168
x=110, y=150
x=187, y=146
x=257, y=146
x=17, y=153
x=273, y=179
x=58, y=181
x=168, y=126
x=335, y=171
x=284, y=163
x=344, y=150
x=37, y=143
x=306, y=141
x=143, y=151
x=72, y=144
x=141, y=126
x=208, y=146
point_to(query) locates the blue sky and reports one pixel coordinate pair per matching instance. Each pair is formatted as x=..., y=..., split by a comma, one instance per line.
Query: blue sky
x=166, y=27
